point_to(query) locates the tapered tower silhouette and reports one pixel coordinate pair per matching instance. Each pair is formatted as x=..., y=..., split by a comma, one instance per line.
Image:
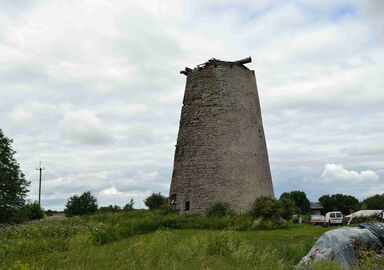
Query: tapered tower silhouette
x=221, y=153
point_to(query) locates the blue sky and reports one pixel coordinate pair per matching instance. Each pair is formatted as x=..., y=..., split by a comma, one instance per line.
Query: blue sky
x=93, y=90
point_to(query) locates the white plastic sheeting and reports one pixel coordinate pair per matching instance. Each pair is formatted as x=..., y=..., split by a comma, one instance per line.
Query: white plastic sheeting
x=339, y=244
x=364, y=213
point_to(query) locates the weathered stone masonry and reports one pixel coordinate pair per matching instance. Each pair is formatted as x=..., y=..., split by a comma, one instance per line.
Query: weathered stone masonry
x=221, y=153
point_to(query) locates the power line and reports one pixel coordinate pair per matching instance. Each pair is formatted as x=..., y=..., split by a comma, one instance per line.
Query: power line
x=40, y=169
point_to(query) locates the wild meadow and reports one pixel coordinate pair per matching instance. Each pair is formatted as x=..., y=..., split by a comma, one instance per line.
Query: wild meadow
x=149, y=240
x=143, y=239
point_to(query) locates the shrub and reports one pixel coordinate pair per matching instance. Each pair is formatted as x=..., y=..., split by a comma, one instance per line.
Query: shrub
x=155, y=201
x=109, y=209
x=129, y=206
x=288, y=208
x=51, y=212
x=220, y=209
x=266, y=207
x=84, y=204
x=33, y=211
x=167, y=209
x=30, y=211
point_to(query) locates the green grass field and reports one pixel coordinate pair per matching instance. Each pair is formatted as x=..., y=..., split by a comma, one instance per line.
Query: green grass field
x=140, y=241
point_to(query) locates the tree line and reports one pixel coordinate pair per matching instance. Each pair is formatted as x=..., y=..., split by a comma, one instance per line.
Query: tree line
x=14, y=208
x=346, y=204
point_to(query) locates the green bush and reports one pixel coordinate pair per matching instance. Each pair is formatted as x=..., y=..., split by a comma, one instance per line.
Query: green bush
x=33, y=211
x=17, y=216
x=30, y=211
x=155, y=201
x=51, y=212
x=84, y=204
x=109, y=209
x=266, y=207
x=288, y=207
x=220, y=209
x=305, y=219
x=166, y=209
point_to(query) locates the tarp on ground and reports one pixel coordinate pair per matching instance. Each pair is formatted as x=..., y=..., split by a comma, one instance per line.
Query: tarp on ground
x=364, y=213
x=339, y=245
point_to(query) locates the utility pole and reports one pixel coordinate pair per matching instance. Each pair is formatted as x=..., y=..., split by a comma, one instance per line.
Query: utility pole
x=40, y=169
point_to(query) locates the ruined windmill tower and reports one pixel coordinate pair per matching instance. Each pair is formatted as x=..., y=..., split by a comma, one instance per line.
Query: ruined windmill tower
x=221, y=153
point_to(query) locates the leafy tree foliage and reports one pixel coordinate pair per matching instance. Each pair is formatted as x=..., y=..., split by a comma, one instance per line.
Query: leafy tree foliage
x=129, y=206
x=288, y=208
x=339, y=202
x=84, y=204
x=220, y=209
x=300, y=199
x=266, y=207
x=13, y=186
x=155, y=201
x=375, y=202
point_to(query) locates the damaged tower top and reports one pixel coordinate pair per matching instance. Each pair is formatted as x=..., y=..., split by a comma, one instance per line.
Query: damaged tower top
x=215, y=61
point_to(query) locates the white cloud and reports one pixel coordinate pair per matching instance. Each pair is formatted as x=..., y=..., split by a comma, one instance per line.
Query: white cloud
x=111, y=192
x=21, y=116
x=113, y=196
x=337, y=173
x=84, y=126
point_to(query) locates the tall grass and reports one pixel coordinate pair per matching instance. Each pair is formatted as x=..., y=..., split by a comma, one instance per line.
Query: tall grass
x=149, y=240
x=125, y=224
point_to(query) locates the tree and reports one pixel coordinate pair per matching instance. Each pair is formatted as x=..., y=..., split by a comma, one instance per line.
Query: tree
x=13, y=186
x=288, y=208
x=155, y=201
x=375, y=202
x=339, y=202
x=266, y=207
x=327, y=203
x=300, y=199
x=84, y=204
x=129, y=206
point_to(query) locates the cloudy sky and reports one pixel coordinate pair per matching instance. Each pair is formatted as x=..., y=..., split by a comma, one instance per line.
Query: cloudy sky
x=92, y=89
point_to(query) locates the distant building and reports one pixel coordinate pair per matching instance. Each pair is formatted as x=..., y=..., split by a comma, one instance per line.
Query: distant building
x=316, y=208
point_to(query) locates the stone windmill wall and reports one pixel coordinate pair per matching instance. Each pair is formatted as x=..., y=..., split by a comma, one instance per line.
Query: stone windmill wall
x=221, y=153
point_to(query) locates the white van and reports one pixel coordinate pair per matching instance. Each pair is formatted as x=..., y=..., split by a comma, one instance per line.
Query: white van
x=334, y=218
